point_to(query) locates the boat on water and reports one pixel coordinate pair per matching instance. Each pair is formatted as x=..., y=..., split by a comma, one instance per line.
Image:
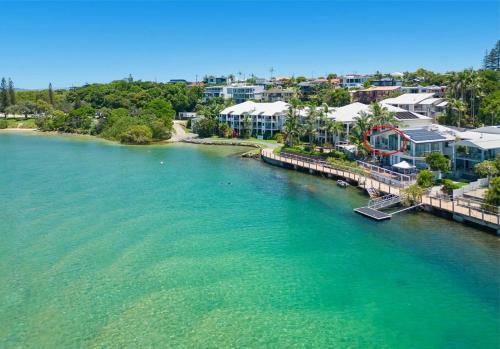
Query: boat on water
x=342, y=183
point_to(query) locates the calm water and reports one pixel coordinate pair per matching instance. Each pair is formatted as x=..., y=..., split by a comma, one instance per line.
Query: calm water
x=104, y=246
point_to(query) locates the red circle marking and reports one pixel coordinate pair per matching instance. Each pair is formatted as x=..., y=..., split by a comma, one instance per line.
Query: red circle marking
x=383, y=127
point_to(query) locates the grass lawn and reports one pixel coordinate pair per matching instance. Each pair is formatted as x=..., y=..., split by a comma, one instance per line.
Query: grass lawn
x=21, y=123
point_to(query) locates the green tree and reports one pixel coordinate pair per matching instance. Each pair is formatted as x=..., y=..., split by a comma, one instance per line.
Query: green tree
x=137, y=134
x=292, y=127
x=438, y=162
x=361, y=124
x=412, y=195
x=424, y=179
x=4, y=95
x=492, y=195
x=492, y=58
x=51, y=95
x=206, y=127
x=335, y=97
x=247, y=126
x=489, y=112
x=380, y=115
x=487, y=168
x=80, y=119
x=12, y=92
x=311, y=124
x=225, y=131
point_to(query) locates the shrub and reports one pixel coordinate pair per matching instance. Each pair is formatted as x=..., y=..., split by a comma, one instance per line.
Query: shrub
x=449, y=186
x=205, y=127
x=225, y=131
x=278, y=137
x=424, y=179
x=487, y=168
x=492, y=196
x=411, y=195
x=159, y=130
x=338, y=155
x=137, y=134
x=3, y=124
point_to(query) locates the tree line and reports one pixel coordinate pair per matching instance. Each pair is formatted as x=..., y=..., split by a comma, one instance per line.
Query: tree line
x=125, y=110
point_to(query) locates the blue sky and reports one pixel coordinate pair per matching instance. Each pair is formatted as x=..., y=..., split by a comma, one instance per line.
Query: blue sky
x=71, y=43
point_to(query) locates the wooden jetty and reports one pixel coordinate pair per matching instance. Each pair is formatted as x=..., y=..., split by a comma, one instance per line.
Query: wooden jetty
x=386, y=182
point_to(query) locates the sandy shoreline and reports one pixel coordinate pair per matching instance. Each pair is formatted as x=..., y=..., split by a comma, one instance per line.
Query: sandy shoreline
x=173, y=140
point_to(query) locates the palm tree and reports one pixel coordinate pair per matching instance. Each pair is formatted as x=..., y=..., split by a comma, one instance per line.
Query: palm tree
x=459, y=106
x=362, y=122
x=476, y=92
x=334, y=128
x=338, y=128
x=292, y=127
x=322, y=120
x=310, y=126
x=380, y=115
x=247, y=126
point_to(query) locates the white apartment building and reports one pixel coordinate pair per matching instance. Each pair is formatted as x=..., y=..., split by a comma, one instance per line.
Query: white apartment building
x=265, y=118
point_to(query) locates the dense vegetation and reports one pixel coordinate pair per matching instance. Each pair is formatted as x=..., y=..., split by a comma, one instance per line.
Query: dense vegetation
x=129, y=111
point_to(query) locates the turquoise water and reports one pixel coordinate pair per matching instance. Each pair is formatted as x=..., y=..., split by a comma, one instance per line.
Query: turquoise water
x=104, y=246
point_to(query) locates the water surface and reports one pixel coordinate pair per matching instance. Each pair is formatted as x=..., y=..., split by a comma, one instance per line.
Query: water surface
x=104, y=246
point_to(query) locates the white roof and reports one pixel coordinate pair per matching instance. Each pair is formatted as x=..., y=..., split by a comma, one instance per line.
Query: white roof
x=254, y=108
x=488, y=129
x=408, y=98
x=479, y=139
x=403, y=165
x=431, y=101
x=349, y=112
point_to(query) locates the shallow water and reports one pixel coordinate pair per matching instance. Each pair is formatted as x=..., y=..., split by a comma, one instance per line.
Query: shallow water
x=105, y=246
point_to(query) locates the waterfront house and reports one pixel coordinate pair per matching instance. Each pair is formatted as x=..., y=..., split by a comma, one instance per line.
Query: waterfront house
x=420, y=142
x=263, y=119
x=375, y=94
x=422, y=103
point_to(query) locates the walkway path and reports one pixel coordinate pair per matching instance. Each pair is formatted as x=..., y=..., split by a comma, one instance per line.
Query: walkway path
x=180, y=133
x=457, y=207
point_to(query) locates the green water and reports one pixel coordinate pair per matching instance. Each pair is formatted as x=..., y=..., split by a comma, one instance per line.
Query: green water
x=102, y=246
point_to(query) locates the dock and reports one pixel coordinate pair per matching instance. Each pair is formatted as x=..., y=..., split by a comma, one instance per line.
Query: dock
x=372, y=213
x=374, y=207
x=377, y=180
